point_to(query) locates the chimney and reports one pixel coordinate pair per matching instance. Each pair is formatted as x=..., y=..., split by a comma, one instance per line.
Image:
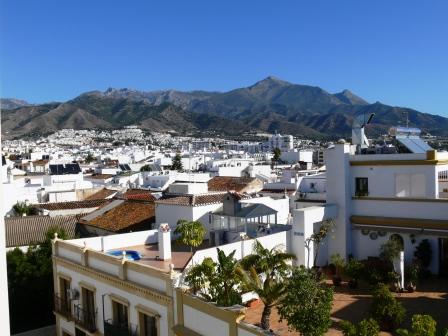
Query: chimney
x=164, y=241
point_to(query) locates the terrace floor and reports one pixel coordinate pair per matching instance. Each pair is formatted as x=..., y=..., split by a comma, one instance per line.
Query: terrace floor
x=353, y=305
x=180, y=255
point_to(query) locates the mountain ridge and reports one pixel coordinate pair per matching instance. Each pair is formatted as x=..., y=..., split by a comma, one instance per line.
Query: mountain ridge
x=268, y=105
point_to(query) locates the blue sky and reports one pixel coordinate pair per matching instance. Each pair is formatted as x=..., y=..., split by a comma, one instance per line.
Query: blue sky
x=395, y=52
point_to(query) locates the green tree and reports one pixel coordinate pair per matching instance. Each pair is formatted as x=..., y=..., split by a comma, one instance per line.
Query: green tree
x=306, y=305
x=422, y=325
x=21, y=208
x=276, y=152
x=89, y=158
x=216, y=281
x=199, y=275
x=177, y=163
x=264, y=272
x=191, y=233
x=225, y=282
x=30, y=275
x=385, y=308
x=367, y=327
x=146, y=168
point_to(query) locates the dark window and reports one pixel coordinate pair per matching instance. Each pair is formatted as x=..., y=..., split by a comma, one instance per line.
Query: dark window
x=88, y=301
x=148, y=325
x=362, y=186
x=64, y=287
x=120, y=312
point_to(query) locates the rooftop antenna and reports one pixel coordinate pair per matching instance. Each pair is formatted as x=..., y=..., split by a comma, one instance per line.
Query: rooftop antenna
x=358, y=135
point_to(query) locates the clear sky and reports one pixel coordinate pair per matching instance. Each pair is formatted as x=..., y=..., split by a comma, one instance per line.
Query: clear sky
x=395, y=51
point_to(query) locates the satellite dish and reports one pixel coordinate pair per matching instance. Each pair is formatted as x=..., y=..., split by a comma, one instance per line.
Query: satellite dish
x=358, y=136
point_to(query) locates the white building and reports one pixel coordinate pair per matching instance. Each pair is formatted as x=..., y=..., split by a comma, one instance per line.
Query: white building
x=372, y=197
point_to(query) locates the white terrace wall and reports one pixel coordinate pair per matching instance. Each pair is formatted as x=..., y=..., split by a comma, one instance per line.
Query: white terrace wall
x=244, y=247
x=118, y=241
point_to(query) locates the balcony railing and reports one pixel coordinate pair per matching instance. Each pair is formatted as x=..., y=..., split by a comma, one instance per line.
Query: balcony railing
x=62, y=306
x=84, y=318
x=114, y=329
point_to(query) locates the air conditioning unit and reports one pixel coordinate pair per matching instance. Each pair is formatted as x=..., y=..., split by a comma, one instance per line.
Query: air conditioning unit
x=73, y=294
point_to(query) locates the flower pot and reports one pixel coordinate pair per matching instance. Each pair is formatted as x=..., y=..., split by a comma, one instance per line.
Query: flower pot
x=411, y=288
x=337, y=280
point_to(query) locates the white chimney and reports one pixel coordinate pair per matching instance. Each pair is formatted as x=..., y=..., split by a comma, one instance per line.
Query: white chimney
x=164, y=241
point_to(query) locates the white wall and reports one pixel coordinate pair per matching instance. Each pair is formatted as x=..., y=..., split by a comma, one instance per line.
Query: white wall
x=102, y=288
x=204, y=324
x=382, y=179
x=365, y=247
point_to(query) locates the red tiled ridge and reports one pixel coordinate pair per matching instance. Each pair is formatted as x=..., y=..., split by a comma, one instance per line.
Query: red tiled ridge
x=72, y=205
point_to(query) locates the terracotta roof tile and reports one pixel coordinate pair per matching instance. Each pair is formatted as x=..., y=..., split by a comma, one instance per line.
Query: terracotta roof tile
x=198, y=200
x=126, y=215
x=95, y=203
x=101, y=194
x=226, y=183
x=138, y=194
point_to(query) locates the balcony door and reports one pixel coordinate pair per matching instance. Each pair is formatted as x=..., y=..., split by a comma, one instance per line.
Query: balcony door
x=148, y=325
x=64, y=287
x=120, y=315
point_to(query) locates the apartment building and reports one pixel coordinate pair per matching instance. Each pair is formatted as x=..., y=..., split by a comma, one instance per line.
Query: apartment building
x=131, y=284
x=372, y=198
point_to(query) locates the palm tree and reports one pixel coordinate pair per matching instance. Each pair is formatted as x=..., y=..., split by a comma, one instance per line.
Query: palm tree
x=264, y=272
x=225, y=281
x=192, y=233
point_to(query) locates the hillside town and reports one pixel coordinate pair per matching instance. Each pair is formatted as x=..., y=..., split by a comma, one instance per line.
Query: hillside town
x=158, y=234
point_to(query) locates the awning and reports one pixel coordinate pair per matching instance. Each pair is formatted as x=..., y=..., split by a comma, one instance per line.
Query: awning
x=412, y=225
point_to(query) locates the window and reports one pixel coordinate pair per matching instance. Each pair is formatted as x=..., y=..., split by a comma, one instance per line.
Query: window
x=88, y=301
x=362, y=186
x=410, y=185
x=64, y=287
x=148, y=325
x=120, y=314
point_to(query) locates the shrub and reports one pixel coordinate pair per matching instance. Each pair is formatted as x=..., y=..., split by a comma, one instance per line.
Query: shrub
x=422, y=325
x=367, y=327
x=353, y=269
x=385, y=309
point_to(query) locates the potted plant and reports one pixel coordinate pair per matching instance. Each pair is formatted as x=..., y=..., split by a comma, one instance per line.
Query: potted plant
x=338, y=263
x=353, y=270
x=393, y=278
x=411, y=274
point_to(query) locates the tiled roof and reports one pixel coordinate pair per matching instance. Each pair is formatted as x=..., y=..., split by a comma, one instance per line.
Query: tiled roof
x=23, y=231
x=226, y=183
x=101, y=194
x=138, y=194
x=193, y=200
x=95, y=203
x=126, y=214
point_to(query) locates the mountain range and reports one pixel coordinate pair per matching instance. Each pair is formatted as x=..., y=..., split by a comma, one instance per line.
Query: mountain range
x=267, y=106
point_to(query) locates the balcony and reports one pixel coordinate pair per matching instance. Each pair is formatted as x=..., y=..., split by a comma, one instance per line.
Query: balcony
x=84, y=318
x=113, y=329
x=62, y=306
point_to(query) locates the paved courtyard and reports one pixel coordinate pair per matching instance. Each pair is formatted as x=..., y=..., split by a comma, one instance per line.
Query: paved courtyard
x=431, y=298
